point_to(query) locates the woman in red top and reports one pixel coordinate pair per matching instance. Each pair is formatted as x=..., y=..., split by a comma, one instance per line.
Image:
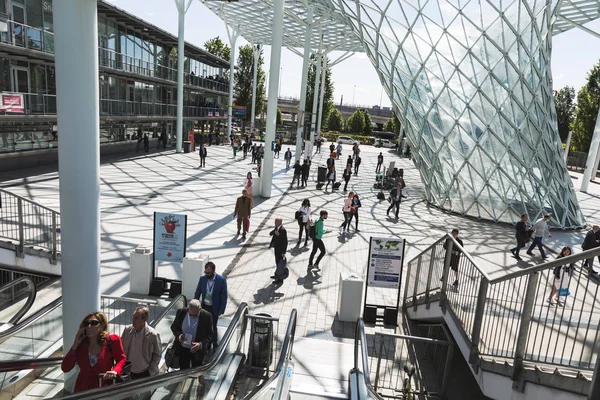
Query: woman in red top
x=91, y=353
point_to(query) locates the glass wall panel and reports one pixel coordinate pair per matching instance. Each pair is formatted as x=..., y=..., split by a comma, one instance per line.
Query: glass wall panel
x=4, y=75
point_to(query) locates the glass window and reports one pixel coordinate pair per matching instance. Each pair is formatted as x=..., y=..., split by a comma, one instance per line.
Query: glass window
x=38, y=78
x=34, y=13
x=4, y=75
x=111, y=33
x=50, y=80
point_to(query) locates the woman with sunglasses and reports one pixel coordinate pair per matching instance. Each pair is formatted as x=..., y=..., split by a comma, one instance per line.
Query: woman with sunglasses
x=95, y=352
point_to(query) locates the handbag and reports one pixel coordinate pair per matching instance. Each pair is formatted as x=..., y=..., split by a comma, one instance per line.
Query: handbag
x=172, y=355
x=126, y=371
x=247, y=225
x=298, y=215
x=564, y=291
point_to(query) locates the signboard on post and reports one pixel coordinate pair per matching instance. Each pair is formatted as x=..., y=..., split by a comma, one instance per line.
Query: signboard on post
x=239, y=111
x=12, y=103
x=170, y=235
x=385, y=262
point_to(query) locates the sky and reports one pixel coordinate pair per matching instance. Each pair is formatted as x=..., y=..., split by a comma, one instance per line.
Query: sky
x=573, y=53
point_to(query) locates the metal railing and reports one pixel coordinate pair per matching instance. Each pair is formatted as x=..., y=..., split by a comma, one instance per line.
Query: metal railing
x=509, y=317
x=360, y=375
x=29, y=224
x=126, y=390
x=280, y=375
x=119, y=310
x=28, y=37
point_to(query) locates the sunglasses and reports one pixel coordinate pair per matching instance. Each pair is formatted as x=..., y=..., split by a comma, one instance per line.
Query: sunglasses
x=91, y=322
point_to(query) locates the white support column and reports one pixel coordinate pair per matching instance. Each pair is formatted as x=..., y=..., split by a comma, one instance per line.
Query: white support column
x=233, y=35
x=181, y=10
x=266, y=175
x=313, y=123
x=321, y=97
x=304, y=84
x=256, y=53
x=590, y=165
x=566, y=155
x=78, y=96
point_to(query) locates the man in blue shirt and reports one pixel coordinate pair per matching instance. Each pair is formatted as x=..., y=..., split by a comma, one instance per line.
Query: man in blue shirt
x=212, y=293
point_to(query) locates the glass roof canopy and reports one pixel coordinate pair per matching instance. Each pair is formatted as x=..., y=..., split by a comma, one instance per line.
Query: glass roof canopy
x=254, y=19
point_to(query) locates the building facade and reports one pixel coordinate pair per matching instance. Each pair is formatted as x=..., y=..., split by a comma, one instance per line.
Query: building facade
x=137, y=78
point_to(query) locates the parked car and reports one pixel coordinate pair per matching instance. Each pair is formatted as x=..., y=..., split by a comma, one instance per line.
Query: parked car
x=345, y=140
x=385, y=143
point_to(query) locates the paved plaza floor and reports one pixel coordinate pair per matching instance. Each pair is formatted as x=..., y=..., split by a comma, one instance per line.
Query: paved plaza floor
x=132, y=189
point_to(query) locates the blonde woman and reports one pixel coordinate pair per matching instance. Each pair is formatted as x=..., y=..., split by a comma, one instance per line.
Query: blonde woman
x=95, y=352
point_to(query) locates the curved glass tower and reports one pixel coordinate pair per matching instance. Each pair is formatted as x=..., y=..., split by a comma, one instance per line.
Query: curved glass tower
x=471, y=83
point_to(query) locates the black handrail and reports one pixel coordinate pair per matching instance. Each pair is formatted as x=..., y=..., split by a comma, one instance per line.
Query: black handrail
x=31, y=319
x=143, y=385
x=284, y=356
x=30, y=299
x=360, y=336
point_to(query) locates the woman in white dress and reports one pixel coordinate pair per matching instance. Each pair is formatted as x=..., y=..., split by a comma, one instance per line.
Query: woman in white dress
x=303, y=217
x=248, y=187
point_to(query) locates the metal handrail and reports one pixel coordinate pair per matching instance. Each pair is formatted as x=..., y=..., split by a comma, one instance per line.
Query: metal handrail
x=31, y=319
x=143, y=385
x=360, y=335
x=28, y=201
x=131, y=299
x=30, y=299
x=167, y=309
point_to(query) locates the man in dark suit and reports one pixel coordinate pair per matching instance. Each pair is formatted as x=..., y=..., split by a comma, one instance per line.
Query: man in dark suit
x=521, y=236
x=212, y=292
x=202, y=155
x=279, y=242
x=590, y=242
x=193, y=329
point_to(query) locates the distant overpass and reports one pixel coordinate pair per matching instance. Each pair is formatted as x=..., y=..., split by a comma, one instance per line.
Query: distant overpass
x=289, y=105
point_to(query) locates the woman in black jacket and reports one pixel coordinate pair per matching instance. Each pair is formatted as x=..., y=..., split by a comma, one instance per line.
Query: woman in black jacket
x=355, y=206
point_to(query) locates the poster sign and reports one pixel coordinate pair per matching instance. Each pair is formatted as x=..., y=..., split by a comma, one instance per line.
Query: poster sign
x=210, y=113
x=13, y=103
x=169, y=237
x=239, y=111
x=385, y=262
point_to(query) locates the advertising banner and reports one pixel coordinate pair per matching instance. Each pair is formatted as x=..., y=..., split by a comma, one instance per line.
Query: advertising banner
x=210, y=113
x=169, y=237
x=239, y=111
x=13, y=103
x=385, y=262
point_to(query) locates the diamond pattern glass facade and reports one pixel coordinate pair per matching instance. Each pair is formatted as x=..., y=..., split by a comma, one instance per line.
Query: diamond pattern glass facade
x=471, y=84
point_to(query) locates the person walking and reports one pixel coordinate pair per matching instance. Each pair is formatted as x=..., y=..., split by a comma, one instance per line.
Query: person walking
x=243, y=210
x=193, y=330
x=146, y=143
x=318, y=146
x=355, y=206
x=379, y=162
x=590, y=242
x=212, y=293
x=288, y=157
x=245, y=148
x=330, y=178
x=540, y=228
x=277, y=149
x=95, y=352
x=330, y=162
x=254, y=152
x=347, y=175
x=331, y=148
x=338, y=149
x=395, y=199
x=561, y=278
x=349, y=162
x=297, y=175
x=305, y=173
x=203, y=154
x=318, y=241
x=248, y=185
x=347, y=210
x=279, y=242
x=142, y=345
x=356, y=165
x=303, y=220
x=163, y=137
x=234, y=146
x=455, y=257
x=521, y=235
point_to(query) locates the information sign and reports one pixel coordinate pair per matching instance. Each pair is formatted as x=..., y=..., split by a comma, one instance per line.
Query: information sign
x=385, y=262
x=169, y=237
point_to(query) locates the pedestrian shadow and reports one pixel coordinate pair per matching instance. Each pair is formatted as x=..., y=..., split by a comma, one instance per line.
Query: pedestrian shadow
x=297, y=250
x=267, y=295
x=234, y=242
x=309, y=280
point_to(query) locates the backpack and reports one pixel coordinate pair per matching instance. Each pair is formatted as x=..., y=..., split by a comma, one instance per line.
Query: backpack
x=312, y=230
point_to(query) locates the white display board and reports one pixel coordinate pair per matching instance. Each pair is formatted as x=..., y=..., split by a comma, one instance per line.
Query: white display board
x=169, y=237
x=385, y=262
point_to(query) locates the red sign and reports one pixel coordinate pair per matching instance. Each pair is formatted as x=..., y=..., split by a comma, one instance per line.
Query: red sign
x=191, y=139
x=12, y=103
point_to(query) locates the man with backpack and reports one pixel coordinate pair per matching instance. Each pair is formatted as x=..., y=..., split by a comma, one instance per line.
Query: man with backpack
x=396, y=198
x=316, y=233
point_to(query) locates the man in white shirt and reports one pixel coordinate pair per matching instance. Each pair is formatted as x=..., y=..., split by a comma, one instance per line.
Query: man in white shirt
x=540, y=228
x=141, y=344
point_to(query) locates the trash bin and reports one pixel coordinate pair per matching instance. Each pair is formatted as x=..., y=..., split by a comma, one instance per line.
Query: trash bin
x=349, y=298
x=187, y=146
x=261, y=342
x=321, y=174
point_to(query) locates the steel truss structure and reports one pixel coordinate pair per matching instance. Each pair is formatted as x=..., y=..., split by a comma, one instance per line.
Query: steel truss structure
x=470, y=81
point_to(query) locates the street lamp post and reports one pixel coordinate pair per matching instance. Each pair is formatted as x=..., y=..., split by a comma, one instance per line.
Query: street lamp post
x=353, y=92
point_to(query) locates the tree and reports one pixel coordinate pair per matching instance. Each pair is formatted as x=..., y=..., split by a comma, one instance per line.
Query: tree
x=335, y=121
x=356, y=122
x=585, y=120
x=328, y=95
x=392, y=125
x=243, y=81
x=279, y=119
x=216, y=47
x=564, y=102
x=368, y=123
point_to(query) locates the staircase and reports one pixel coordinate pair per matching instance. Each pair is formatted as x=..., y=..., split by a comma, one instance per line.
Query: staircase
x=516, y=344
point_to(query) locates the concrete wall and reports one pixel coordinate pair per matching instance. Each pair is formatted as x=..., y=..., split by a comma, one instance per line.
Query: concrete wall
x=32, y=261
x=49, y=157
